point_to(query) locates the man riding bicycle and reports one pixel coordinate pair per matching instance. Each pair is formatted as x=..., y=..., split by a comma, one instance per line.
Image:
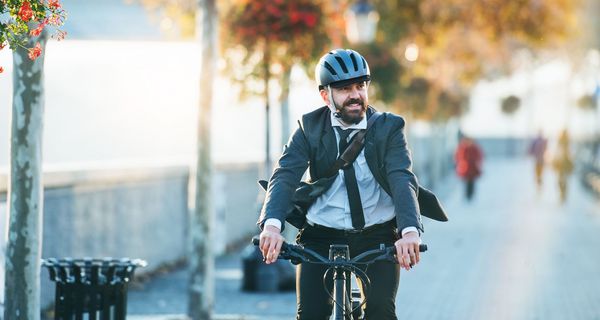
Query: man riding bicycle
x=370, y=201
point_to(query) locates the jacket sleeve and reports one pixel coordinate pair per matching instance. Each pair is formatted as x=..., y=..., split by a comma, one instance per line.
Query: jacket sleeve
x=285, y=179
x=402, y=181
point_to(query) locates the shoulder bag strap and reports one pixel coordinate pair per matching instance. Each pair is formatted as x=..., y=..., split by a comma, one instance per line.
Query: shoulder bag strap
x=351, y=153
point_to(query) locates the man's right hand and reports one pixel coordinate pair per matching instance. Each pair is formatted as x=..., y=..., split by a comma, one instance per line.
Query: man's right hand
x=270, y=243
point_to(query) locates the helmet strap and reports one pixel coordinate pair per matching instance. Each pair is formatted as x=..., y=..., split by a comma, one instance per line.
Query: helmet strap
x=332, y=106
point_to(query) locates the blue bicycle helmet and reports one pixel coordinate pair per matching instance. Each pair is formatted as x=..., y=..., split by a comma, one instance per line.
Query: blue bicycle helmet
x=341, y=67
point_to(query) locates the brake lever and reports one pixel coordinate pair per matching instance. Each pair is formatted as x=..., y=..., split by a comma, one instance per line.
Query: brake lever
x=291, y=255
x=391, y=255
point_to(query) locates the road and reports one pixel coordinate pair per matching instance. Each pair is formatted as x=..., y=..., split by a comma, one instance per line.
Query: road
x=512, y=253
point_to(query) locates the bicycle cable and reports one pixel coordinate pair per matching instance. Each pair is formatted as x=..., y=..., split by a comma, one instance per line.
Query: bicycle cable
x=364, y=278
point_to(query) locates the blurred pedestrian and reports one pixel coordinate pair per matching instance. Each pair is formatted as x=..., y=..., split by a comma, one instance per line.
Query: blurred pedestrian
x=468, y=157
x=563, y=164
x=537, y=149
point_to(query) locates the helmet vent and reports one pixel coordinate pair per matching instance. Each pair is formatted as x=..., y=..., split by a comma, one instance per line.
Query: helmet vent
x=342, y=64
x=330, y=68
x=354, y=62
x=364, y=63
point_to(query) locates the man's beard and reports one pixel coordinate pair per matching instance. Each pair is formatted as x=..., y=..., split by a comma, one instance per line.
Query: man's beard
x=354, y=116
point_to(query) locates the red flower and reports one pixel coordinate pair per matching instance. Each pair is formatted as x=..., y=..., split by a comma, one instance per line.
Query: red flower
x=38, y=30
x=25, y=12
x=274, y=11
x=35, y=51
x=55, y=20
x=295, y=17
x=60, y=35
x=2, y=45
x=1, y=69
x=310, y=20
x=53, y=4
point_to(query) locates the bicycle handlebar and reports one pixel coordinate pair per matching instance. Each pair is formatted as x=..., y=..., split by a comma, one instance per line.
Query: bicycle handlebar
x=297, y=254
x=340, y=263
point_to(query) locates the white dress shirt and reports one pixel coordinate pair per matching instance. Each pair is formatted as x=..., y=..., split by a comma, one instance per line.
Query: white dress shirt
x=332, y=209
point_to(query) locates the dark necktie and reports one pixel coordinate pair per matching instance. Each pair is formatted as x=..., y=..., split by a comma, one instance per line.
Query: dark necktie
x=356, y=210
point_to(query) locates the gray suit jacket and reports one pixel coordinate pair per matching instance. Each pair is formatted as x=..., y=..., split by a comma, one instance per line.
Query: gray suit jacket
x=314, y=146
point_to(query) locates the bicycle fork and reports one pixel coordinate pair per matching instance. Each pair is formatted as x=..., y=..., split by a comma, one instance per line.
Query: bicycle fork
x=345, y=298
x=342, y=304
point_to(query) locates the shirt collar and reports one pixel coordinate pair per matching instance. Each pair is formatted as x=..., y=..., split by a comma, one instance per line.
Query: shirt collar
x=335, y=122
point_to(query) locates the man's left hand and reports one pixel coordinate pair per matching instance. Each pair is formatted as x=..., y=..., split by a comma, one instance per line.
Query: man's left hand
x=407, y=250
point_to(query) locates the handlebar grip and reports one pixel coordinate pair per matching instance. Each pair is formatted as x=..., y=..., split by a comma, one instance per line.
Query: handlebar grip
x=422, y=247
x=256, y=241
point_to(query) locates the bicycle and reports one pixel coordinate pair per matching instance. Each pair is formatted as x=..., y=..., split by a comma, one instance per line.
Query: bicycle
x=343, y=267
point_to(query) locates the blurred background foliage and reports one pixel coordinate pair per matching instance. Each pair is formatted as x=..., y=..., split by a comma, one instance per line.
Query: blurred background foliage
x=177, y=18
x=459, y=42
x=264, y=39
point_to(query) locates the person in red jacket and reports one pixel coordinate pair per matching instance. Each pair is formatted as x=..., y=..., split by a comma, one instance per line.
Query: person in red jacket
x=468, y=158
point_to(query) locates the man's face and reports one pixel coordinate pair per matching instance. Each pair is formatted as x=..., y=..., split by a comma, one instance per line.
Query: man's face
x=351, y=101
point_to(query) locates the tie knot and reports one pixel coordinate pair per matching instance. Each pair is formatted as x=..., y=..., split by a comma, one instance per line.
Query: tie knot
x=344, y=133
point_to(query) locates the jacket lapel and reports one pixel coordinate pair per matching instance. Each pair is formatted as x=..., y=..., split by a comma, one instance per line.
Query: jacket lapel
x=370, y=150
x=371, y=155
x=327, y=153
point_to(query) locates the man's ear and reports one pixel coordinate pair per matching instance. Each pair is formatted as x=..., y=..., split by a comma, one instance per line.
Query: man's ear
x=325, y=96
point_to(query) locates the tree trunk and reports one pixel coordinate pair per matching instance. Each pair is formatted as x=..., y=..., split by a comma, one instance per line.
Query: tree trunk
x=284, y=99
x=201, y=260
x=267, y=75
x=25, y=194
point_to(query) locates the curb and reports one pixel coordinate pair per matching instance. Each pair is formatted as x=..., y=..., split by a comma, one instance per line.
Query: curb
x=214, y=317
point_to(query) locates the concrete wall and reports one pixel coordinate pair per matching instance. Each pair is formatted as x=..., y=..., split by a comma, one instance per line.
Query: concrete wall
x=238, y=204
x=142, y=217
x=137, y=213
x=433, y=154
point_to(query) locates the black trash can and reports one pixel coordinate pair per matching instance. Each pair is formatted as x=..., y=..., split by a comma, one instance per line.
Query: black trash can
x=96, y=287
x=251, y=260
x=261, y=277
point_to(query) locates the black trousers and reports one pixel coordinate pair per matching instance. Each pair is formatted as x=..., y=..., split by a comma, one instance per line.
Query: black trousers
x=470, y=189
x=313, y=301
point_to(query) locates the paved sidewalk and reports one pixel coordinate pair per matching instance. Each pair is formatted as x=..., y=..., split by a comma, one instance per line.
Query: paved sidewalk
x=167, y=295
x=513, y=253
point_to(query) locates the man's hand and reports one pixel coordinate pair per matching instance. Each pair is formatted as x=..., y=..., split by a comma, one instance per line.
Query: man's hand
x=270, y=243
x=407, y=250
